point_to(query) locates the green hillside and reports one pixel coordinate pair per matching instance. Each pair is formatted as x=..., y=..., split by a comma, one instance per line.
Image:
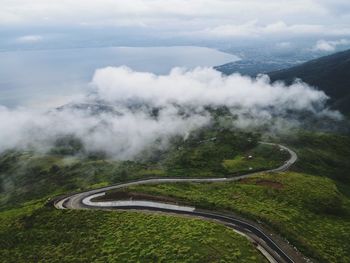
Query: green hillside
x=309, y=211
x=32, y=230
x=330, y=74
x=36, y=233
x=309, y=207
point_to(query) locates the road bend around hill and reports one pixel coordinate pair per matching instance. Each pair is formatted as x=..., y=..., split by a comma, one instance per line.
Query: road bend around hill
x=271, y=246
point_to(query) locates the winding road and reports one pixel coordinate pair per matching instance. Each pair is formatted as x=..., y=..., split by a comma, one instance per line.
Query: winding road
x=274, y=251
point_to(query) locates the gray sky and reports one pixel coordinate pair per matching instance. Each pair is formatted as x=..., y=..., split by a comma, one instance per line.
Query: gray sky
x=189, y=20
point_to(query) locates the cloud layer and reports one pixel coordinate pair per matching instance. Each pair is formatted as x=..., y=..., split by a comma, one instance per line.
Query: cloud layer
x=218, y=18
x=204, y=86
x=330, y=46
x=151, y=12
x=125, y=123
x=120, y=136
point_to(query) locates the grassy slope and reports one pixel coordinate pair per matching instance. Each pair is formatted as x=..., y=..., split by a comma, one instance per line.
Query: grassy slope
x=329, y=73
x=319, y=233
x=307, y=210
x=322, y=154
x=30, y=233
x=263, y=157
x=28, y=176
x=42, y=234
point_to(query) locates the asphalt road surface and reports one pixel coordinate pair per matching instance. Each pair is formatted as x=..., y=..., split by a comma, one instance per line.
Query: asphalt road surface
x=274, y=251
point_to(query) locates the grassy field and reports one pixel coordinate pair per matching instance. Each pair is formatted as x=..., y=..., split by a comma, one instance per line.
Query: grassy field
x=312, y=211
x=26, y=176
x=308, y=210
x=262, y=157
x=36, y=233
x=32, y=232
x=322, y=154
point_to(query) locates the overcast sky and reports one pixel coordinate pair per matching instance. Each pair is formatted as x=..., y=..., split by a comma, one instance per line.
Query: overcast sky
x=206, y=20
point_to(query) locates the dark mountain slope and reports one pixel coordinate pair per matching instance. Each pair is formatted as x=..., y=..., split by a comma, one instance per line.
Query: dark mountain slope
x=330, y=74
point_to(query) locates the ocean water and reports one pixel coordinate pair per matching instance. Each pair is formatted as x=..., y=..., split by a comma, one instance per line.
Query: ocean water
x=40, y=78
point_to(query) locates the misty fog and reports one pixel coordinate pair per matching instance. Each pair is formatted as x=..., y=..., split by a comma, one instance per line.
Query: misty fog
x=181, y=99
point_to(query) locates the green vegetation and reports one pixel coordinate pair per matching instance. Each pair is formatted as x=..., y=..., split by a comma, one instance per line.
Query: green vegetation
x=32, y=232
x=202, y=154
x=311, y=207
x=262, y=157
x=28, y=176
x=37, y=233
x=329, y=73
x=322, y=154
x=213, y=153
x=309, y=211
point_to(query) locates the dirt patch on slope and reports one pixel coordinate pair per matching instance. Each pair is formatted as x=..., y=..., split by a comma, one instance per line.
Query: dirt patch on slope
x=263, y=182
x=269, y=183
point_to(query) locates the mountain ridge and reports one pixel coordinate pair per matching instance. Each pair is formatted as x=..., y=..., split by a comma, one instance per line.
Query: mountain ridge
x=330, y=74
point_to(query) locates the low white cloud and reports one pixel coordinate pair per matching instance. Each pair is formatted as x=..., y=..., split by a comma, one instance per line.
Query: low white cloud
x=125, y=124
x=29, y=39
x=203, y=86
x=330, y=46
x=121, y=135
